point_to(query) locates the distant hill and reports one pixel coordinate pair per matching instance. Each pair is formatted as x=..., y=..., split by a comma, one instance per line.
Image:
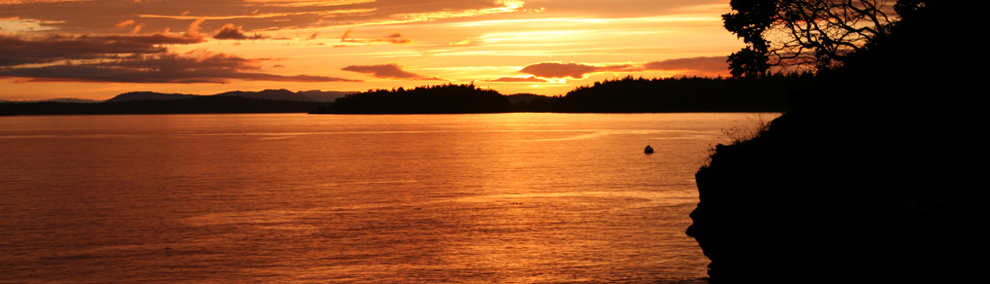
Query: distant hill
x=270, y=94
x=61, y=100
x=281, y=94
x=142, y=96
x=74, y=100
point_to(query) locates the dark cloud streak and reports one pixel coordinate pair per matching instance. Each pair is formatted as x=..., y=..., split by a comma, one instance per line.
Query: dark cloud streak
x=572, y=70
x=95, y=74
x=713, y=64
x=388, y=71
x=229, y=31
x=93, y=17
x=394, y=38
x=154, y=39
x=696, y=65
x=160, y=68
x=15, y=50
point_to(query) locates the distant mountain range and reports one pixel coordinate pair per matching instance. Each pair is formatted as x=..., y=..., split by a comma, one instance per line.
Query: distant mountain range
x=278, y=95
x=148, y=96
x=267, y=101
x=192, y=105
x=60, y=100
x=275, y=95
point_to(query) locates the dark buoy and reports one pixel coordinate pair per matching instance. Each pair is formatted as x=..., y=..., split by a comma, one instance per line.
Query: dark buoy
x=649, y=150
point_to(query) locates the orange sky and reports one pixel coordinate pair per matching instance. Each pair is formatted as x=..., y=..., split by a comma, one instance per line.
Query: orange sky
x=98, y=49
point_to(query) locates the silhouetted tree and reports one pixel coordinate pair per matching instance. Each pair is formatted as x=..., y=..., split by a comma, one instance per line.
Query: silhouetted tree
x=807, y=33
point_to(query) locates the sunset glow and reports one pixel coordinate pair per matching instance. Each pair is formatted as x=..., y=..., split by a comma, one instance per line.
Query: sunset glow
x=98, y=49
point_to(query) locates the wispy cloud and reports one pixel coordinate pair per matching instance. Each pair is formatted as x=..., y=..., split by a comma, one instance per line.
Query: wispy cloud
x=124, y=24
x=346, y=36
x=93, y=16
x=388, y=71
x=194, y=28
x=396, y=38
x=137, y=29
x=155, y=39
x=393, y=38
x=463, y=42
x=530, y=79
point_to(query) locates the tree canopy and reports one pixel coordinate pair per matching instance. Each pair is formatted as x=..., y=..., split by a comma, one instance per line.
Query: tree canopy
x=811, y=34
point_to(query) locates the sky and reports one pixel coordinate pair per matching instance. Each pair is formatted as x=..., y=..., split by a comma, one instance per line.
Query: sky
x=98, y=49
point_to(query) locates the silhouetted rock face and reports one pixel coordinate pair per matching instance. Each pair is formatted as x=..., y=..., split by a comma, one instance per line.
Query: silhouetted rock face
x=805, y=203
x=877, y=176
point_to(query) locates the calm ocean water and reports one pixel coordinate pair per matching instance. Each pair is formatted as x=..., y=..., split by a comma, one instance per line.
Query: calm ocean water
x=293, y=198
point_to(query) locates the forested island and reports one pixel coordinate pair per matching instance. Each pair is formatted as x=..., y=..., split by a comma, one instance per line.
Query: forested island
x=441, y=99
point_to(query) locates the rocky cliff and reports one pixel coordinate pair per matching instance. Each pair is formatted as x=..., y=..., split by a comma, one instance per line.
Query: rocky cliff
x=876, y=176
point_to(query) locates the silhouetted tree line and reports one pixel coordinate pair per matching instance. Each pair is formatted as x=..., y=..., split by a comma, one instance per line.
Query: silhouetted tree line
x=686, y=94
x=439, y=99
x=625, y=95
x=204, y=104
